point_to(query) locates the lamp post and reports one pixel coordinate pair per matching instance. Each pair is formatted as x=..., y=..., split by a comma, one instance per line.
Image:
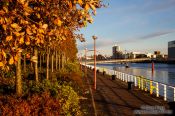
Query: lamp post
x=94, y=38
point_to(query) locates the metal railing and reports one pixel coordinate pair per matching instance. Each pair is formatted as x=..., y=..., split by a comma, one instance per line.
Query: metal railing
x=154, y=87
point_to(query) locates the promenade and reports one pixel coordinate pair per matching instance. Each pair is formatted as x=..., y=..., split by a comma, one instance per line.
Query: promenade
x=112, y=98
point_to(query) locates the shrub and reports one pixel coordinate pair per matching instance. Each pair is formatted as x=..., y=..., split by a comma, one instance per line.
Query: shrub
x=42, y=104
x=69, y=101
x=72, y=67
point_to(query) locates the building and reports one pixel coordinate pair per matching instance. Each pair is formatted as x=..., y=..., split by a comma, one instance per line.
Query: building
x=116, y=52
x=137, y=55
x=171, y=50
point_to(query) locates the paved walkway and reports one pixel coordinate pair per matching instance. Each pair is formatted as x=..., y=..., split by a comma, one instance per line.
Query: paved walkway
x=113, y=99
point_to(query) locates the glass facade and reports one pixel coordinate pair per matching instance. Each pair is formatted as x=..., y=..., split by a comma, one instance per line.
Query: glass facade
x=171, y=50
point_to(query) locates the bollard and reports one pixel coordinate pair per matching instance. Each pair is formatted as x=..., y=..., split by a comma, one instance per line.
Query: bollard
x=104, y=72
x=113, y=77
x=130, y=85
x=172, y=108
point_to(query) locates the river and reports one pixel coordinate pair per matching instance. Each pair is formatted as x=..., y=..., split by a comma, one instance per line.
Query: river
x=164, y=73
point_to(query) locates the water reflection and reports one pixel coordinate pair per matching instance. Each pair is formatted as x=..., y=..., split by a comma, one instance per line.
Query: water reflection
x=163, y=73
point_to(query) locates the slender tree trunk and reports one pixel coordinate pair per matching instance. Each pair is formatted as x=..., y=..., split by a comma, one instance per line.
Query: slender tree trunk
x=52, y=61
x=59, y=58
x=63, y=60
x=47, y=67
x=40, y=62
x=18, y=79
x=24, y=64
x=56, y=62
x=36, y=64
x=31, y=63
x=43, y=58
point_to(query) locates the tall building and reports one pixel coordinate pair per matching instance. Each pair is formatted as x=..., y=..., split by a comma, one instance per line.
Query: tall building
x=116, y=52
x=171, y=50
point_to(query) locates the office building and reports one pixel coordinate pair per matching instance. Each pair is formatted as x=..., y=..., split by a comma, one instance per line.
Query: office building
x=171, y=50
x=116, y=52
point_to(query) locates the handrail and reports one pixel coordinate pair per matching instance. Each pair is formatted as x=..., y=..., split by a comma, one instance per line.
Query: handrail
x=141, y=82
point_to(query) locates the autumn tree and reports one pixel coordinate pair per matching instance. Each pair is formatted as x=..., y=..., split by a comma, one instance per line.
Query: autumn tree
x=40, y=24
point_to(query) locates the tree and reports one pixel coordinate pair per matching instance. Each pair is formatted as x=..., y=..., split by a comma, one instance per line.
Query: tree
x=41, y=24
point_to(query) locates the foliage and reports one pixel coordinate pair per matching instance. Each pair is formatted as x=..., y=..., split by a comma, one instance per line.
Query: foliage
x=72, y=67
x=45, y=23
x=69, y=101
x=45, y=98
x=42, y=104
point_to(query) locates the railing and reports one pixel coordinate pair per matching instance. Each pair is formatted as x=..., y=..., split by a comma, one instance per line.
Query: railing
x=154, y=87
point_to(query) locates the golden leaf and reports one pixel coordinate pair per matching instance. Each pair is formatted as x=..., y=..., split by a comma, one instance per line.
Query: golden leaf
x=38, y=41
x=80, y=2
x=1, y=64
x=17, y=34
x=28, y=31
x=5, y=9
x=4, y=27
x=92, y=7
x=14, y=25
x=4, y=54
x=27, y=40
x=57, y=22
x=40, y=30
x=16, y=58
x=21, y=40
x=8, y=38
x=45, y=26
x=11, y=61
x=38, y=15
x=86, y=7
x=21, y=1
x=70, y=5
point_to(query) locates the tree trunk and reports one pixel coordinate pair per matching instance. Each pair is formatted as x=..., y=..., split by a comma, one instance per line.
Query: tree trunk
x=52, y=61
x=43, y=58
x=59, y=58
x=63, y=60
x=56, y=62
x=24, y=64
x=47, y=67
x=40, y=62
x=36, y=64
x=31, y=63
x=18, y=79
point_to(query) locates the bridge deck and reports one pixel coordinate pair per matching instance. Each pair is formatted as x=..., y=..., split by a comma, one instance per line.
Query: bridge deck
x=112, y=98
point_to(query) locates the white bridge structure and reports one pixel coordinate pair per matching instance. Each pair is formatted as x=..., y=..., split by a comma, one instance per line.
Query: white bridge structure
x=120, y=60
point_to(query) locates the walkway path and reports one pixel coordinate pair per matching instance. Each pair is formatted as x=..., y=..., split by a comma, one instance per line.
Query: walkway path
x=113, y=99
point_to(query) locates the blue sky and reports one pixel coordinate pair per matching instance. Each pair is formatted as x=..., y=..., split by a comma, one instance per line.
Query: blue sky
x=135, y=25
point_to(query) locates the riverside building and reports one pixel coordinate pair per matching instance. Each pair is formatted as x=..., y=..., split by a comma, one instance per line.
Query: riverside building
x=171, y=50
x=116, y=52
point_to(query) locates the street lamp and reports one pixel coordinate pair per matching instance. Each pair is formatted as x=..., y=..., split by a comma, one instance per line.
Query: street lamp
x=94, y=38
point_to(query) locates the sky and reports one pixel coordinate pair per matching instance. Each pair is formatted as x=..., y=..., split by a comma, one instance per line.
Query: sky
x=134, y=25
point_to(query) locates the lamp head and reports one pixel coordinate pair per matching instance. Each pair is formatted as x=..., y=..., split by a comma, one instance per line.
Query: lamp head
x=94, y=37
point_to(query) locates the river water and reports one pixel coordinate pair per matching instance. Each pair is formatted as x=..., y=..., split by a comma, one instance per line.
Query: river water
x=164, y=73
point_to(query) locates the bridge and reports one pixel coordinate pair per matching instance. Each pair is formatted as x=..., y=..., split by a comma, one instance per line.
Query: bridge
x=120, y=60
